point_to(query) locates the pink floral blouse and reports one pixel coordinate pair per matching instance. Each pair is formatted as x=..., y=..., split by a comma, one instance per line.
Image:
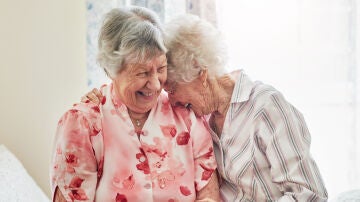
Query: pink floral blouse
x=99, y=157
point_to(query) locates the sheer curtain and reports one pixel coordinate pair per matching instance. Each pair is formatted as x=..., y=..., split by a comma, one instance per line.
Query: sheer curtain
x=307, y=49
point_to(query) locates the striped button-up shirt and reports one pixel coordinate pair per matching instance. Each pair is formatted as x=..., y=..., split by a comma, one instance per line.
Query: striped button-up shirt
x=263, y=153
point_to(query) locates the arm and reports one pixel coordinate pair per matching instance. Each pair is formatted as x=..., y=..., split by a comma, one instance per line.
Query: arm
x=210, y=193
x=288, y=151
x=58, y=197
x=74, y=166
x=206, y=181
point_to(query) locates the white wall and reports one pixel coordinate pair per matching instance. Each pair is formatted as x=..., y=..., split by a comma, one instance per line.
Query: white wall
x=42, y=72
x=309, y=50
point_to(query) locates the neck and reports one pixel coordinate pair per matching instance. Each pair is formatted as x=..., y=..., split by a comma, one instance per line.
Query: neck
x=222, y=91
x=138, y=116
x=138, y=119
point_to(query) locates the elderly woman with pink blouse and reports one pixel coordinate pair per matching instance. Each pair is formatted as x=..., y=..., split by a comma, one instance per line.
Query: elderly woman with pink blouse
x=261, y=142
x=133, y=146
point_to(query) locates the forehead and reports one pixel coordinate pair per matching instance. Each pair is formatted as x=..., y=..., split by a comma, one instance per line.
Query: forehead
x=146, y=60
x=180, y=85
x=155, y=61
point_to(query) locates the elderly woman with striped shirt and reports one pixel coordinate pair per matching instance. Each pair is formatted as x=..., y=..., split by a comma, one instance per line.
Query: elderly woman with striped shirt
x=261, y=141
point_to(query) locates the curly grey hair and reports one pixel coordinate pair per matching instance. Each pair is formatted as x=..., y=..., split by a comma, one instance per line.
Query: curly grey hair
x=129, y=35
x=193, y=45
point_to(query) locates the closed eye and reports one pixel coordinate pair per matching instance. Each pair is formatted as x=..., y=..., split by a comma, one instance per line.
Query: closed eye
x=142, y=74
x=162, y=69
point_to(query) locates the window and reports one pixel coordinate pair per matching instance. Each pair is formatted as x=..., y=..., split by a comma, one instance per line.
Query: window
x=307, y=49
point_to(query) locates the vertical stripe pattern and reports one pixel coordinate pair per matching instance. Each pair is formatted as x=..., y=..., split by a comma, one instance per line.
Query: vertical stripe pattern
x=265, y=148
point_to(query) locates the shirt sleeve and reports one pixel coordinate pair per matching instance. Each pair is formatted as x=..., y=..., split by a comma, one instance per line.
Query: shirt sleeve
x=204, y=159
x=288, y=151
x=74, y=166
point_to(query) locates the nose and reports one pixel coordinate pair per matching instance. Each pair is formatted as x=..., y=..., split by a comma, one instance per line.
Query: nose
x=154, y=82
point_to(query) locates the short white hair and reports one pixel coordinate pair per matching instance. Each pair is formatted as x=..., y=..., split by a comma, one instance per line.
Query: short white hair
x=129, y=35
x=193, y=45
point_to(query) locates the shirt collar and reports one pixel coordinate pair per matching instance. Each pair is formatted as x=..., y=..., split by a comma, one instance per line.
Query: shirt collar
x=114, y=98
x=243, y=87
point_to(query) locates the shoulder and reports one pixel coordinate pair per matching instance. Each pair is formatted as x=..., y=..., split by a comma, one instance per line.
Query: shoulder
x=267, y=99
x=163, y=98
x=261, y=98
x=83, y=117
x=247, y=90
x=164, y=105
x=179, y=114
x=264, y=93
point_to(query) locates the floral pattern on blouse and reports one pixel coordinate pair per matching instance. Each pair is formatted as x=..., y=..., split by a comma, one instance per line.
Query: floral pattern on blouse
x=98, y=156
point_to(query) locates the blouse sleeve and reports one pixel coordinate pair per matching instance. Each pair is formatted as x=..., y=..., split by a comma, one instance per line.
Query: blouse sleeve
x=204, y=159
x=288, y=151
x=74, y=166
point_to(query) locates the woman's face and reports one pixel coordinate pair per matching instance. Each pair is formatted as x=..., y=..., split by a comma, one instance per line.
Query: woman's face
x=192, y=95
x=139, y=85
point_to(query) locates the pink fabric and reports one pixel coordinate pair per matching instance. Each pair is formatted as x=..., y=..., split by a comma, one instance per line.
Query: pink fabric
x=98, y=155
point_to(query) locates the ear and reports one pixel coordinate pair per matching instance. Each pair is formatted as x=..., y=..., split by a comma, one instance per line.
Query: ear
x=203, y=77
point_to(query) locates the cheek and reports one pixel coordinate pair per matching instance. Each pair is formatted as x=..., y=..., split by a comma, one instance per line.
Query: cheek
x=184, y=96
x=129, y=91
x=162, y=78
x=175, y=98
x=195, y=98
x=136, y=84
x=128, y=88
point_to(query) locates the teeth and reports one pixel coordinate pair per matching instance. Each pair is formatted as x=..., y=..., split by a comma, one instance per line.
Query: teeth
x=187, y=105
x=148, y=94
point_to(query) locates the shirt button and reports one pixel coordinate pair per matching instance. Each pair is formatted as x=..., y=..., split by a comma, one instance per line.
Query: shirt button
x=142, y=159
x=162, y=183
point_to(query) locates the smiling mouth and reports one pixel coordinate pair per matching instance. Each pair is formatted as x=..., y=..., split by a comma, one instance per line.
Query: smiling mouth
x=147, y=95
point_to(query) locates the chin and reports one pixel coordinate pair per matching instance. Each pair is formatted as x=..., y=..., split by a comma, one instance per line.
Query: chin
x=198, y=114
x=143, y=110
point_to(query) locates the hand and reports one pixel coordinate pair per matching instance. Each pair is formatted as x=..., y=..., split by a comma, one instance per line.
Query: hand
x=93, y=96
x=58, y=196
x=209, y=193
